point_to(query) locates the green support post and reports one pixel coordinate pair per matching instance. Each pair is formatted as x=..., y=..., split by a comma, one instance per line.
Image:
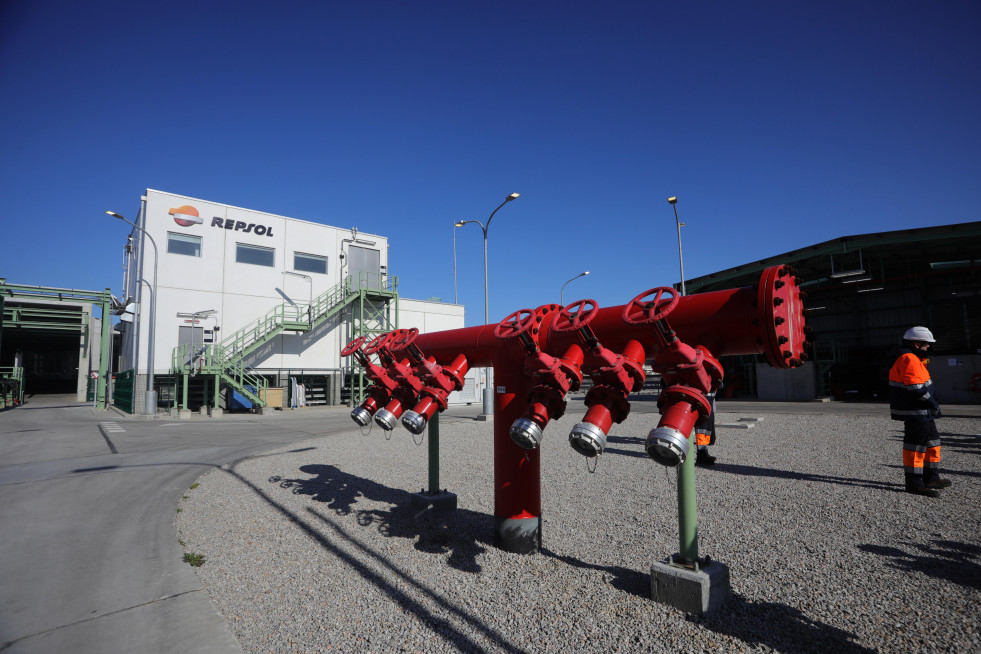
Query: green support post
x=102, y=384
x=434, y=453
x=217, y=388
x=687, y=513
x=184, y=392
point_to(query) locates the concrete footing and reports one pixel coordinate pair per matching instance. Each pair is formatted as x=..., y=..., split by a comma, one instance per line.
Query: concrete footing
x=483, y=417
x=184, y=414
x=701, y=589
x=216, y=412
x=426, y=504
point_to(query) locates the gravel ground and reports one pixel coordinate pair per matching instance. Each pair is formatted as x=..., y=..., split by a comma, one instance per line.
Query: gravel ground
x=313, y=548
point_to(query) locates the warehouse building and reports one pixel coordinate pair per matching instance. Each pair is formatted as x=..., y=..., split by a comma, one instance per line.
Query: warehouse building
x=863, y=293
x=248, y=301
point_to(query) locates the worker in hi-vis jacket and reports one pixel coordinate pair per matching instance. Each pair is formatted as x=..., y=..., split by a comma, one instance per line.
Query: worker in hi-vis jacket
x=912, y=400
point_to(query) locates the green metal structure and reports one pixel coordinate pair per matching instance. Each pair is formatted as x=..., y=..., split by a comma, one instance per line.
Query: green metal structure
x=370, y=298
x=38, y=318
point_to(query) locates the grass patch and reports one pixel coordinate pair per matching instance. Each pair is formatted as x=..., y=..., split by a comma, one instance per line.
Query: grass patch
x=194, y=560
x=194, y=485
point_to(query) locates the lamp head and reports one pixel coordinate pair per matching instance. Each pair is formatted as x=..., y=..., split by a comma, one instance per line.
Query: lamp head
x=586, y=273
x=115, y=215
x=673, y=200
x=513, y=196
x=460, y=223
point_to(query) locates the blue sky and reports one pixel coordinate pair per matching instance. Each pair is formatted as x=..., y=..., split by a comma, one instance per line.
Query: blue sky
x=777, y=125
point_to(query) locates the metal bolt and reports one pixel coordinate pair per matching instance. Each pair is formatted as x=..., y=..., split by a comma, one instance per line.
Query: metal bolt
x=778, y=284
x=776, y=321
x=782, y=339
x=786, y=354
x=777, y=301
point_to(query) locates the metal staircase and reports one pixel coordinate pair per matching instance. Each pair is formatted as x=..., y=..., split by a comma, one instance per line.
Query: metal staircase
x=228, y=361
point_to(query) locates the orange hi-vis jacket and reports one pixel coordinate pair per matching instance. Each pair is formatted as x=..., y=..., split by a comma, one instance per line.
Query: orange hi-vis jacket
x=911, y=389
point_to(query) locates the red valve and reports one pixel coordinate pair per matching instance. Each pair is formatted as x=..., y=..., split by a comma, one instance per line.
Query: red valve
x=643, y=311
x=353, y=346
x=681, y=408
x=380, y=393
x=377, y=343
x=519, y=322
x=401, y=339
x=575, y=316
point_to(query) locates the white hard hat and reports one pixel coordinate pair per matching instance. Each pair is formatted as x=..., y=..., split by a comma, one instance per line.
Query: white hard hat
x=919, y=334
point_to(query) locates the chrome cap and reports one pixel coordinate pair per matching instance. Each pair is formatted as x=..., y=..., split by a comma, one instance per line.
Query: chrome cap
x=667, y=446
x=526, y=433
x=361, y=416
x=414, y=422
x=386, y=419
x=587, y=439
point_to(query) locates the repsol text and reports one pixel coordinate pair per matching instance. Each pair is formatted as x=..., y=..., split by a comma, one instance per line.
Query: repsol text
x=239, y=226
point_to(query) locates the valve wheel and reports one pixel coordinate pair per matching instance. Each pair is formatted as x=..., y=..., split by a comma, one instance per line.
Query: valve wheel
x=575, y=316
x=402, y=338
x=352, y=347
x=644, y=310
x=377, y=343
x=516, y=324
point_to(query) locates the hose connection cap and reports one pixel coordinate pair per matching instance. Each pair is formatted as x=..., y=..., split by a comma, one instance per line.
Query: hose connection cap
x=667, y=446
x=361, y=416
x=385, y=419
x=413, y=422
x=587, y=439
x=526, y=433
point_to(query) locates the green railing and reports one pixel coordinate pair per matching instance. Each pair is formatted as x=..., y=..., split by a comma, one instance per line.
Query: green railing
x=11, y=386
x=123, y=391
x=228, y=357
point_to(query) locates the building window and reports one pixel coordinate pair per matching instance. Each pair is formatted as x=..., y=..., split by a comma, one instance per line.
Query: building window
x=184, y=244
x=309, y=263
x=255, y=255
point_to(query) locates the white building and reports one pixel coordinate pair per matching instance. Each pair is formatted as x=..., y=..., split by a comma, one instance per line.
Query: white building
x=223, y=268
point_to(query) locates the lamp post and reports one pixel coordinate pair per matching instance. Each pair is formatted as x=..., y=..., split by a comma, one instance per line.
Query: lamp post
x=562, y=292
x=310, y=305
x=150, y=399
x=459, y=223
x=488, y=390
x=673, y=201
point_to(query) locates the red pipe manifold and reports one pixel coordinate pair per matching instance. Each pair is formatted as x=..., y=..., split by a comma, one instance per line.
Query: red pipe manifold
x=438, y=381
x=553, y=377
x=614, y=377
x=380, y=392
x=406, y=394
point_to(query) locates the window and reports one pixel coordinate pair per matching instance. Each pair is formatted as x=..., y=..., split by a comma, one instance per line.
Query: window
x=309, y=263
x=255, y=255
x=184, y=244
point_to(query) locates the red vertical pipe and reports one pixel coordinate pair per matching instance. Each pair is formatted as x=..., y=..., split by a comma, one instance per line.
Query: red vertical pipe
x=517, y=472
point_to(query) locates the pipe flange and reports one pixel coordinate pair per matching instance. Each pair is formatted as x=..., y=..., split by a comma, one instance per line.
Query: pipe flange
x=781, y=317
x=667, y=446
x=526, y=433
x=587, y=439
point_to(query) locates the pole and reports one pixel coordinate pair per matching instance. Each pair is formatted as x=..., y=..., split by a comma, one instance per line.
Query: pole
x=687, y=514
x=456, y=299
x=434, y=453
x=681, y=261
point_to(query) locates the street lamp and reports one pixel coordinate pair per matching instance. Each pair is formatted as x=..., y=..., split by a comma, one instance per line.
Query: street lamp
x=673, y=201
x=488, y=391
x=150, y=399
x=459, y=223
x=561, y=301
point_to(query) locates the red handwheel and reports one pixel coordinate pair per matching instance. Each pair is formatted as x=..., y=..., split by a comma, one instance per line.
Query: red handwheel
x=352, y=347
x=575, y=316
x=516, y=324
x=645, y=309
x=377, y=343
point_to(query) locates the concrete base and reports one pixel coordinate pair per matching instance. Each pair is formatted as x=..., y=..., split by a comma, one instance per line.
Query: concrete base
x=184, y=414
x=216, y=412
x=700, y=591
x=204, y=411
x=266, y=411
x=425, y=504
x=483, y=417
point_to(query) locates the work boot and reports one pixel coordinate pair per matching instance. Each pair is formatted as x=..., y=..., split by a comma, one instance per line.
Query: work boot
x=922, y=489
x=703, y=458
x=937, y=483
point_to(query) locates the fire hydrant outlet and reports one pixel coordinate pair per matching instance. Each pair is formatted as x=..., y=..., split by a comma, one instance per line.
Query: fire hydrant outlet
x=587, y=439
x=386, y=419
x=414, y=422
x=526, y=433
x=667, y=446
x=361, y=416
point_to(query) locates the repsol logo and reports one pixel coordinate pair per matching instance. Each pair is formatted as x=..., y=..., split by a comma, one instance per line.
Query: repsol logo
x=239, y=226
